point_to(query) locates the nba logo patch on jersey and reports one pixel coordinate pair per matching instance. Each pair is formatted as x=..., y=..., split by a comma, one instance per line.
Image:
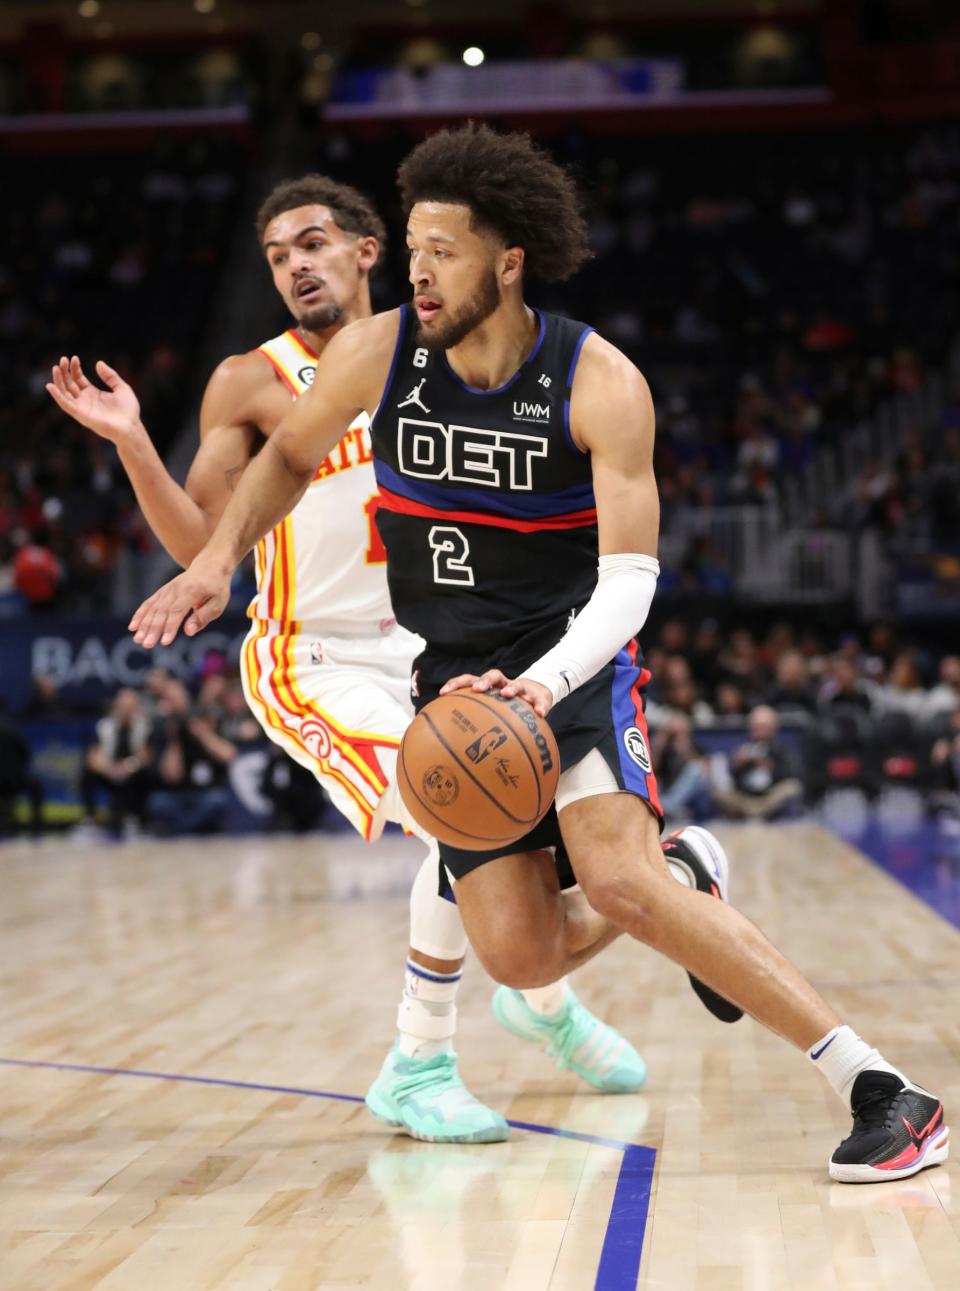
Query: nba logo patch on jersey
x=636, y=746
x=316, y=652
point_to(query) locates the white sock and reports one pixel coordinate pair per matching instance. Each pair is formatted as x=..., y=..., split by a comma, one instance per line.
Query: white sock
x=841, y=1055
x=427, y=1017
x=548, y=999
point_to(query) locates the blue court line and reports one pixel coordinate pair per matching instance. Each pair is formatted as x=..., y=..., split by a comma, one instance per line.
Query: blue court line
x=622, y=1242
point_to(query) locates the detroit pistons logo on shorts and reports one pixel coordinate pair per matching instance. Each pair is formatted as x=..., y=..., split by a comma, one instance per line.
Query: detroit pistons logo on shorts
x=441, y=786
x=636, y=746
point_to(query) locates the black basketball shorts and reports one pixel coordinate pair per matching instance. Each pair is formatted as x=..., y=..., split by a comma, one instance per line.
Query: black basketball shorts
x=603, y=717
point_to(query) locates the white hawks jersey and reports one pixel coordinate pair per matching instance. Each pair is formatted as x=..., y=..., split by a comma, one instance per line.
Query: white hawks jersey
x=324, y=566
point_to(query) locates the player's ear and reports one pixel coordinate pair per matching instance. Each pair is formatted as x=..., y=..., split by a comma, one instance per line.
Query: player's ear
x=511, y=265
x=368, y=253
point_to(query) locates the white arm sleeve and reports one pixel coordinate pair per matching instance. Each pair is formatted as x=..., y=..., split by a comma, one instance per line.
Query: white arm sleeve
x=615, y=612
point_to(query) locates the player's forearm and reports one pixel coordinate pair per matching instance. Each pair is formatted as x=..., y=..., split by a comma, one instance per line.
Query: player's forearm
x=179, y=524
x=615, y=612
x=269, y=489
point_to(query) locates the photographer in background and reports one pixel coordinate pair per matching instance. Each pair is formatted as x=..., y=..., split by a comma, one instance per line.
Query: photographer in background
x=190, y=760
x=763, y=781
x=119, y=763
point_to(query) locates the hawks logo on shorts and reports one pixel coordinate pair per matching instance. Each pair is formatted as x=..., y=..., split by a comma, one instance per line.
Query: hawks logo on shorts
x=316, y=736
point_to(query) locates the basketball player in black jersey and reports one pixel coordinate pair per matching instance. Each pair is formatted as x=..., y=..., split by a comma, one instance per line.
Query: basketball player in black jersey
x=520, y=513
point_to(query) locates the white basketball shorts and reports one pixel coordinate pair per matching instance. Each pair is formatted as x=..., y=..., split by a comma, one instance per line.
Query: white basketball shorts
x=339, y=706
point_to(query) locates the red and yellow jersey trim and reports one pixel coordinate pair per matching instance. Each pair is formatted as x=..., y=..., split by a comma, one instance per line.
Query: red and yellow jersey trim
x=289, y=354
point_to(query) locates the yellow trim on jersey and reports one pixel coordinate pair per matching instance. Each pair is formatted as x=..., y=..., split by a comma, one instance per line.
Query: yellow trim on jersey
x=291, y=565
x=298, y=342
x=278, y=580
x=278, y=352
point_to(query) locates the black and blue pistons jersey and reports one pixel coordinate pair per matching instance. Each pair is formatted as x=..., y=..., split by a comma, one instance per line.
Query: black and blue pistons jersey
x=486, y=508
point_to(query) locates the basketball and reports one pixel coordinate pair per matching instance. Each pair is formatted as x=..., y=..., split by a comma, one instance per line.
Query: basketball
x=477, y=771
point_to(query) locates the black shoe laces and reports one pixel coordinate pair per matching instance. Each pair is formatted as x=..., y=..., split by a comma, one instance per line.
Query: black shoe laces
x=873, y=1109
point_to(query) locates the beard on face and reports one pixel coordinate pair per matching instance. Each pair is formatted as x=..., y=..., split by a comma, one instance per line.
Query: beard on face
x=319, y=319
x=476, y=310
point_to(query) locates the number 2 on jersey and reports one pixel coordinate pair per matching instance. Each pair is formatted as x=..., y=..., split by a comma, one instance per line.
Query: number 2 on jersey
x=451, y=552
x=376, y=553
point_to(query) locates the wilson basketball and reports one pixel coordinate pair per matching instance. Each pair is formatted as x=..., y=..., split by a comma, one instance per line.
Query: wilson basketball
x=477, y=771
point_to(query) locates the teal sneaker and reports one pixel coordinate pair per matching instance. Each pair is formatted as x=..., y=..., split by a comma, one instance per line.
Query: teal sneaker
x=574, y=1038
x=426, y=1098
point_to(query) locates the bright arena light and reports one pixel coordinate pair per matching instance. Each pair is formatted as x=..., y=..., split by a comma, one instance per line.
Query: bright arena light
x=88, y=8
x=473, y=56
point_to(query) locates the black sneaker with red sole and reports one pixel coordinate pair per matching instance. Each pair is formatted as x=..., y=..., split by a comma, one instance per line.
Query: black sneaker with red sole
x=898, y=1130
x=702, y=855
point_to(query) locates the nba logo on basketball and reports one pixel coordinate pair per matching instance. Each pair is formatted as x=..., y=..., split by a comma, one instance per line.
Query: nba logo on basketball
x=486, y=744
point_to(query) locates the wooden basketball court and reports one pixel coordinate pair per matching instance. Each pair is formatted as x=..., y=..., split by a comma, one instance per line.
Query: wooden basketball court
x=187, y=1031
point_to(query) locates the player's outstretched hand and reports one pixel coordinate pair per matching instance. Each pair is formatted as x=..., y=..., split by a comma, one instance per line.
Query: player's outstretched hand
x=113, y=413
x=199, y=594
x=531, y=692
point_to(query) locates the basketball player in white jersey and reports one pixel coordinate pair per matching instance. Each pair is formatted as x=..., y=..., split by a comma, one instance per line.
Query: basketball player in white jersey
x=325, y=666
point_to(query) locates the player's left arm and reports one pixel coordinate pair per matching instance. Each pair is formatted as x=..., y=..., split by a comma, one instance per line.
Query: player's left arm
x=612, y=419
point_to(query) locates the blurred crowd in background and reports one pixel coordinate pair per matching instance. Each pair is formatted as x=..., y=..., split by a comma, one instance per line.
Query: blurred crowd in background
x=776, y=297
x=166, y=758
x=765, y=725
x=117, y=258
x=742, y=724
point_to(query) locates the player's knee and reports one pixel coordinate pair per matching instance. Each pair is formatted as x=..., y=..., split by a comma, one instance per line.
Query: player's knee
x=520, y=963
x=625, y=896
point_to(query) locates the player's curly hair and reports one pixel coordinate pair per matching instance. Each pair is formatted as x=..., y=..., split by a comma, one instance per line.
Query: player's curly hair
x=353, y=212
x=513, y=189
